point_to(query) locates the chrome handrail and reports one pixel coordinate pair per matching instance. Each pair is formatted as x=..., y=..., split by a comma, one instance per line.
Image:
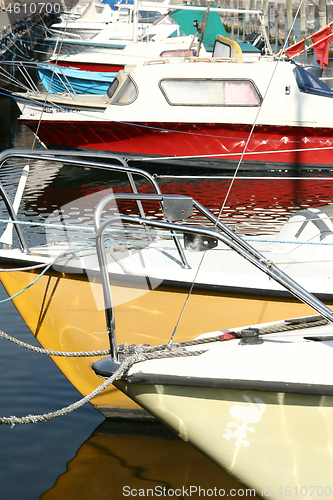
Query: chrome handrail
x=226, y=236
x=13, y=217
x=76, y=158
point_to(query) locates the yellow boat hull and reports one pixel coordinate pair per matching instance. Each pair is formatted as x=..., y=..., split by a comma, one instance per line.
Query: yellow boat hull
x=61, y=312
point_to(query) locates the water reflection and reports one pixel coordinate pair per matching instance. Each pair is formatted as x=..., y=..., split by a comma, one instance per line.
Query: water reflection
x=128, y=456
x=255, y=205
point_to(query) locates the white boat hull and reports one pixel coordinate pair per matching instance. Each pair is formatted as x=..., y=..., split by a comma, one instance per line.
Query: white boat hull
x=262, y=412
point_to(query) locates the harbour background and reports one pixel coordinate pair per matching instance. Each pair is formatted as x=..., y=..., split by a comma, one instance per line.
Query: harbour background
x=285, y=21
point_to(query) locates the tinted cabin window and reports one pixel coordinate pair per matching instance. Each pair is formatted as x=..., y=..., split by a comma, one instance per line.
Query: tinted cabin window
x=210, y=92
x=113, y=87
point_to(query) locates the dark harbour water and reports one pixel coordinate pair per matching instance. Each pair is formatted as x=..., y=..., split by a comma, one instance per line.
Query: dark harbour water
x=83, y=456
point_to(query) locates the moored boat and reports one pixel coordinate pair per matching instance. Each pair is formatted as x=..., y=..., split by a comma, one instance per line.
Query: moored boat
x=259, y=405
x=107, y=26
x=263, y=113
x=151, y=272
x=93, y=72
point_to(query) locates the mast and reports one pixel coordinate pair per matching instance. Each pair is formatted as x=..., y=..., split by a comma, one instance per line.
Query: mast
x=135, y=20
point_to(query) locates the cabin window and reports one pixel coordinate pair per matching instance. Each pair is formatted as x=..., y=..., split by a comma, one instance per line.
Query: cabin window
x=310, y=84
x=203, y=92
x=149, y=17
x=221, y=49
x=178, y=53
x=113, y=87
x=126, y=93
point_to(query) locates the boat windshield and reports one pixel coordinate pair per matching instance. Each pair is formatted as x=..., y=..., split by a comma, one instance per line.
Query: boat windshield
x=149, y=17
x=204, y=92
x=126, y=93
x=113, y=87
x=310, y=84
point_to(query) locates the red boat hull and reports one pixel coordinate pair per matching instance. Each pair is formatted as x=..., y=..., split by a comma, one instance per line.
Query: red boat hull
x=90, y=66
x=193, y=143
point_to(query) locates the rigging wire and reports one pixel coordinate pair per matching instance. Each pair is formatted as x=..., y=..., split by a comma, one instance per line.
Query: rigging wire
x=231, y=184
x=47, y=94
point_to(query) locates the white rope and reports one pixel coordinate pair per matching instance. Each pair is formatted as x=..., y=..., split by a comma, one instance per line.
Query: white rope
x=33, y=419
x=145, y=353
x=50, y=352
x=125, y=365
x=27, y=268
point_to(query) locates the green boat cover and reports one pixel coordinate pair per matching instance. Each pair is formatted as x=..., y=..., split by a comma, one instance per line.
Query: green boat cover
x=214, y=26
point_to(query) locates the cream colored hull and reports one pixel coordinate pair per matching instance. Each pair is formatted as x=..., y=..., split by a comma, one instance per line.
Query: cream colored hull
x=61, y=312
x=281, y=446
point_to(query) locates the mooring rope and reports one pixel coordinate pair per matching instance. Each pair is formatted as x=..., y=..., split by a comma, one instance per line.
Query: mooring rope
x=135, y=354
x=50, y=352
x=125, y=365
x=67, y=253
x=33, y=419
x=25, y=268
